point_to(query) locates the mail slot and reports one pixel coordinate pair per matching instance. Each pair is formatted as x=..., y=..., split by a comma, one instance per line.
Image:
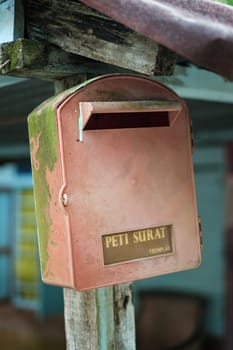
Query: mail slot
x=113, y=183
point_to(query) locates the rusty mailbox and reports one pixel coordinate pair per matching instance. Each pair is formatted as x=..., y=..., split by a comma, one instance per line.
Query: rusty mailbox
x=114, y=185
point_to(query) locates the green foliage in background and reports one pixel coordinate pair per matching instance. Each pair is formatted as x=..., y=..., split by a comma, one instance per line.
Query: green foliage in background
x=228, y=2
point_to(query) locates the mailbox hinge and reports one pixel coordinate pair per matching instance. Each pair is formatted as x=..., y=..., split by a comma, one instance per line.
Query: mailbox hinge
x=200, y=231
x=191, y=135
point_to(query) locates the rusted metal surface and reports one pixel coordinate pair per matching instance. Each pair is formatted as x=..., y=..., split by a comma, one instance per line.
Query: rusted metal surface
x=201, y=30
x=118, y=186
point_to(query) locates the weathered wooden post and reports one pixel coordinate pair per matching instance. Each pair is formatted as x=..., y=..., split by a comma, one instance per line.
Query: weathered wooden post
x=102, y=318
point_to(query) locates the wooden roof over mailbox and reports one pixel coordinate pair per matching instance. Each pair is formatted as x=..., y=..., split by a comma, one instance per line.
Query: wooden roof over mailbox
x=90, y=36
x=61, y=38
x=201, y=31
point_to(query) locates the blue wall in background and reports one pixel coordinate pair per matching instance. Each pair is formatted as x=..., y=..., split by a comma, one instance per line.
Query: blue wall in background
x=49, y=302
x=7, y=218
x=208, y=279
x=5, y=260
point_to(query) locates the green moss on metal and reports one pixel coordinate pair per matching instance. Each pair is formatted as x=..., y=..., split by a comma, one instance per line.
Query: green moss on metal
x=42, y=129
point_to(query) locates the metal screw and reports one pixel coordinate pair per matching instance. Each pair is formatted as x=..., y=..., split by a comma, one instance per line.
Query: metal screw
x=65, y=199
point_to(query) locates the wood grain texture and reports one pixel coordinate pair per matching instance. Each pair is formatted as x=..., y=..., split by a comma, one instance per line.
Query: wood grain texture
x=80, y=320
x=124, y=317
x=76, y=28
x=38, y=59
x=100, y=319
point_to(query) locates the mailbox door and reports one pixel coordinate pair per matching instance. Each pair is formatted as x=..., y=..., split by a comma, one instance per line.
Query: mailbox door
x=128, y=187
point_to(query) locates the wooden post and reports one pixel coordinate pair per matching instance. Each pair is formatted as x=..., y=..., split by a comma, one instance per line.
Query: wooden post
x=100, y=319
x=124, y=317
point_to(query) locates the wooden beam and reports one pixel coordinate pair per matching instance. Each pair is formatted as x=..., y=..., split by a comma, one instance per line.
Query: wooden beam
x=38, y=59
x=12, y=20
x=78, y=29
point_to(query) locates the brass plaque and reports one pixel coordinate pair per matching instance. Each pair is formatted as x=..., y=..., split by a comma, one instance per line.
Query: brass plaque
x=137, y=244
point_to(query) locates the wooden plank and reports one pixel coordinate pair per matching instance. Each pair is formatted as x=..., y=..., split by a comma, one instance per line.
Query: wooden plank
x=12, y=20
x=100, y=319
x=37, y=59
x=76, y=28
x=80, y=320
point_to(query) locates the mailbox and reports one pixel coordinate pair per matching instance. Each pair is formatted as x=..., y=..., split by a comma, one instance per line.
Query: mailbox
x=113, y=183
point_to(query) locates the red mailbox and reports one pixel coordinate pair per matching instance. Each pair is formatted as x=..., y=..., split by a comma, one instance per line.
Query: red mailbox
x=114, y=185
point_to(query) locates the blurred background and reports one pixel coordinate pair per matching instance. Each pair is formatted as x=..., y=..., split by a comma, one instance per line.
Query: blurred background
x=188, y=310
